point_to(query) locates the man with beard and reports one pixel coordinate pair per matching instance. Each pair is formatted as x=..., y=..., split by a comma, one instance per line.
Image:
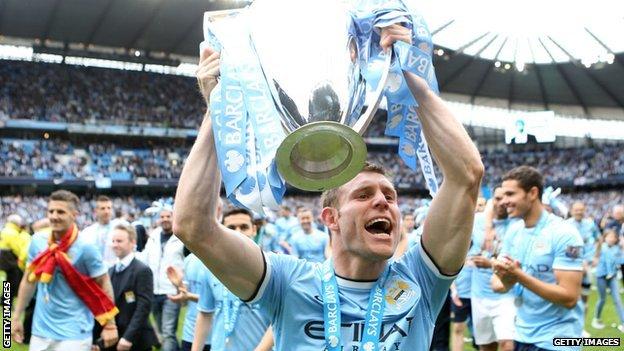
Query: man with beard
x=162, y=250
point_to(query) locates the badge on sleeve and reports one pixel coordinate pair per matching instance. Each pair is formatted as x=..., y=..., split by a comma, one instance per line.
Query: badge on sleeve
x=129, y=295
x=573, y=251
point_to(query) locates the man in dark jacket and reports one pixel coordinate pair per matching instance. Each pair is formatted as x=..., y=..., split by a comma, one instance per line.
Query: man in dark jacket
x=133, y=287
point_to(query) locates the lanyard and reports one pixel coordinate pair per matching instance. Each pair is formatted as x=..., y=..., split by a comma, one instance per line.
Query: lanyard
x=527, y=255
x=331, y=310
x=231, y=307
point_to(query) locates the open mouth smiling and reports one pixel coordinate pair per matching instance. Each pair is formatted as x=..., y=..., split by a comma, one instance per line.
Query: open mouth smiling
x=378, y=226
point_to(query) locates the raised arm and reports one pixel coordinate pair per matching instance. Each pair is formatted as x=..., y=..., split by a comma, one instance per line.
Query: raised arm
x=235, y=260
x=446, y=235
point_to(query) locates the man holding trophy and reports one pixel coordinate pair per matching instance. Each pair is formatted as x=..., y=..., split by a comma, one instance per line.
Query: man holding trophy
x=358, y=299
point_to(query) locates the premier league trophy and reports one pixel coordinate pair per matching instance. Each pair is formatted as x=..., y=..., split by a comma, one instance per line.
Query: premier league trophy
x=295, y=79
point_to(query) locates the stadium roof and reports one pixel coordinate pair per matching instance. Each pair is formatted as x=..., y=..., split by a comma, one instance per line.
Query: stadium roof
x=467, y=61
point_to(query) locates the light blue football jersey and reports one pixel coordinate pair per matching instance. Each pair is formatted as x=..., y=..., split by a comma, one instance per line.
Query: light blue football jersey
x=291, y=294
x=501, y=226
x=267, y=237
x=250, y=325
x=413, y=237
x=610, y=260
x=284, y=225
x=589, y=233
x=59, y=313
x=311, y=246
x=194, y=270
x=558, y=245
x=481, y=286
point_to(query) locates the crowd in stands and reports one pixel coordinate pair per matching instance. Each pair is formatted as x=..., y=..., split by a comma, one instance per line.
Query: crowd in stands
x=62, y=159
x=582, y=165
x=74, y=94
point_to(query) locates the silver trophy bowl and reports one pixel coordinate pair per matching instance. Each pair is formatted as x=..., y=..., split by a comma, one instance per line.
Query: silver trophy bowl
x=309, y=57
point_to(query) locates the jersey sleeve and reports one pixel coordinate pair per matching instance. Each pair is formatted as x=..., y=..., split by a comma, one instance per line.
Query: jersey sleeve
x=34, y=249
x=568, y=249
x=280, y=271
x=206, y=302
x=434, y=284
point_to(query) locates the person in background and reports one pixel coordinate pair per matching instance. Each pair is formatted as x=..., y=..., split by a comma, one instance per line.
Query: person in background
x=493, y=314
x=617, y=224
x=65, y=271
x=590, y=233
x=133, y=286
x=609, y=257
x=267, y=234
x=14, y=242
x=162, y=250
x=284, y=224
x=309, y=243
x=99, y=233
x=461, y=308
x=541, y=260
x=481, y=202
x=234, y=324
x=188, y=283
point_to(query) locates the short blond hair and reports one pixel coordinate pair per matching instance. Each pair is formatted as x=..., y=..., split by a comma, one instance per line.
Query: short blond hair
x=128, y=228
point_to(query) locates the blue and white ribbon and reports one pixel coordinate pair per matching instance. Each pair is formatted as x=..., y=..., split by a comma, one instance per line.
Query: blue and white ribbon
x=163, y=204
x=332, y=315
x=549, y=197
x=231, y=307
x=245, y=121
x=369, y=17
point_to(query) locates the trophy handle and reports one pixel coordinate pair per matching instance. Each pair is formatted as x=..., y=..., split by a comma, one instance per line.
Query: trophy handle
x=362, y=123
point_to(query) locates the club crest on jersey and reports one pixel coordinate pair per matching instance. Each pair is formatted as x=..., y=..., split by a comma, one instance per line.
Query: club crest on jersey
x=399, y=293
x=540, y=248
x=573, y=251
